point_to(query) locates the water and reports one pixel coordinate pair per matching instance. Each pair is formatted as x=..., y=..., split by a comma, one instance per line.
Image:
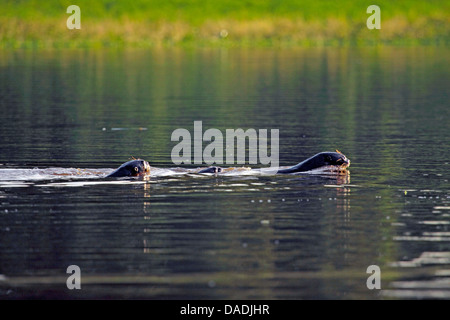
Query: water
x=70, y=117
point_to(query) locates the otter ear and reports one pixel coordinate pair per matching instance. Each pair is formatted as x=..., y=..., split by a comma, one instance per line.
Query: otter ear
x=136, y=169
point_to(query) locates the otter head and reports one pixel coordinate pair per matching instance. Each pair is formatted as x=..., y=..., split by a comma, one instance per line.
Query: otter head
x=133, y=168
x=335, y=159
x=323, y=161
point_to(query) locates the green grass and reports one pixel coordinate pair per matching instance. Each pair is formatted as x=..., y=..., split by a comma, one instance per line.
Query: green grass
x=31, y=23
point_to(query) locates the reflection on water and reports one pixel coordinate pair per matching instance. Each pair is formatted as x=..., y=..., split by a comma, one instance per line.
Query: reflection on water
x=79, y=114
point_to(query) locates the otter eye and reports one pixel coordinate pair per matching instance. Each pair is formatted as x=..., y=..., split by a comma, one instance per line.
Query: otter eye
x=136, y=169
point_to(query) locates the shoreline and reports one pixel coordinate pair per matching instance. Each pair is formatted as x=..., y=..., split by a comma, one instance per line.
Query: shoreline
x=264, y=32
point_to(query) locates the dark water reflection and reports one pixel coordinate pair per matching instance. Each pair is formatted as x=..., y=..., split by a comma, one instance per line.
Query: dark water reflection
x=227, y=237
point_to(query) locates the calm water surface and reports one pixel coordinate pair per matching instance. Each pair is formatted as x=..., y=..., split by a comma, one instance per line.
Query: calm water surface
x=80, y=114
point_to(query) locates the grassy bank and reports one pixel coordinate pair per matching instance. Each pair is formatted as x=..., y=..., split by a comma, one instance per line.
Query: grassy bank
x=141, y=23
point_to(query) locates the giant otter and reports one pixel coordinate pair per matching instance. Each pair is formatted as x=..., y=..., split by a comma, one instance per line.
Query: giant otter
x=133, y=168
x=327, y=161
x=334, y=161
